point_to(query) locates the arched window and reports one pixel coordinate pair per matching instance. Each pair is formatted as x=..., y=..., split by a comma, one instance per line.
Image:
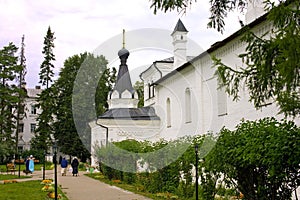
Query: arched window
x=153, y=89
x=33, y=109
x=222, y=102
x=149, y=91
x=168, y=112
x=188, y=106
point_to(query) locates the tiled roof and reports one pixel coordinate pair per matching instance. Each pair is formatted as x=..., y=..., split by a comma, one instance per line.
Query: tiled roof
x=144, y=113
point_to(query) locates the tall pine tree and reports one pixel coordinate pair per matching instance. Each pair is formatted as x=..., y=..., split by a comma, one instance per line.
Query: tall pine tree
x=9, y=70
x=46, y=73
x=44, y=132
x=21, y=93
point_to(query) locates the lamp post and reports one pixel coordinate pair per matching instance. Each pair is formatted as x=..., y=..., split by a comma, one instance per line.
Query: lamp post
x=19, y=174
x=44, y=165
x=55, y=169
x=196, y=166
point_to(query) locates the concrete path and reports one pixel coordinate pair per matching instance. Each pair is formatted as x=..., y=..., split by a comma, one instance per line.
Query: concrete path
x=85, y=188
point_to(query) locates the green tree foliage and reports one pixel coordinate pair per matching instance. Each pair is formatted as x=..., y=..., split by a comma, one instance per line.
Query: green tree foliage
x=47, y=66
x=43, y=139
x=139, y=87
x=163, y=163
x=260, y=158
x=71, y=140
x=105, y=83
x=219, y=9
x=272, y=72
x=9, y=98
x=90, y=90
x=43, y=134
x=65, y=130
x=22, y=93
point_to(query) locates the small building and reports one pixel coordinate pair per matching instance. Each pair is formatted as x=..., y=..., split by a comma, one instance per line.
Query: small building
x=123, y=119
x=28, y=124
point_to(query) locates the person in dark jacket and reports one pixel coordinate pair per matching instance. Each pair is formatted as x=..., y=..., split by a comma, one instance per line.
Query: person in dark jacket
x=26, y=171
x=27, y=163
x=64, y=165
x=74, y=165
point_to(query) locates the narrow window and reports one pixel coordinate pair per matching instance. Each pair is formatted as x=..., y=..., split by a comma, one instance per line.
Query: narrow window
x=222, y=102
x=21, y=128
x=20, y=149
x=32, y=128
x=153, y=91
x=188, y=108
x=33, y=109
x=168, y=113
x=149, y=91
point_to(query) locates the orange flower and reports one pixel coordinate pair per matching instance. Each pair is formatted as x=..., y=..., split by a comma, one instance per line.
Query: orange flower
x=46, y=181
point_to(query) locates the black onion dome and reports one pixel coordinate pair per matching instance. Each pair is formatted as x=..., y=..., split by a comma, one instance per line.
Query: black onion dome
x=123, y=81
x=123, y=53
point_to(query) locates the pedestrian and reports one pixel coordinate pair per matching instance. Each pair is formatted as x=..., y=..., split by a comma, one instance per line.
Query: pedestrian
x=60, y=159
x=31, y=164
x=64, y=165
x=74, y=165
x=27, y=163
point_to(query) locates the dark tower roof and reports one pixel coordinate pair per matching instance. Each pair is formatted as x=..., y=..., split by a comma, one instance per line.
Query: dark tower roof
x=123, y=81
x=180, y=27
x=144, y=113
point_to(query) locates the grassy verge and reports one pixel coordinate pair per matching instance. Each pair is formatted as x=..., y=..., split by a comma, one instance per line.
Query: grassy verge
x=26, y=190
x=37, y=167
x=131, y=187
x=9, y=177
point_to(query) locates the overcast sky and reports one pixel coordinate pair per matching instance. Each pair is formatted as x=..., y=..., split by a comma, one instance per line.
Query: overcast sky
x=83, y=25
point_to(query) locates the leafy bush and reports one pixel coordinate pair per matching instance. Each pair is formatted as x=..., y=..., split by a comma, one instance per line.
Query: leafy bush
x=260, y=159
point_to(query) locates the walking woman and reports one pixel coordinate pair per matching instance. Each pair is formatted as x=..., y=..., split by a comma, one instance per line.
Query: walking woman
x=74, y=165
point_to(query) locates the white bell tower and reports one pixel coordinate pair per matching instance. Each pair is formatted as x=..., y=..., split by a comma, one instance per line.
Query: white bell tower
x=179, y=43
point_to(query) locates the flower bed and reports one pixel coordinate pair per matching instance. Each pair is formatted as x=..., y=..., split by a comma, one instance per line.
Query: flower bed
x=48, y=187
x=9, y=181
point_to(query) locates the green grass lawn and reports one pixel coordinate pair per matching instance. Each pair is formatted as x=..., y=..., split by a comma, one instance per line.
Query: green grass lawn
x=37, y=167
x=10, y=176
x=27, y=190
x=129, y=187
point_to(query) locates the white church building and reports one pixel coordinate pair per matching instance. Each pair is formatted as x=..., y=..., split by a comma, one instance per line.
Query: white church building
x=181, y=95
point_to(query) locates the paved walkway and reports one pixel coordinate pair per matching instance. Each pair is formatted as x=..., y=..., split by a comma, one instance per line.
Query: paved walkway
x=83, y=187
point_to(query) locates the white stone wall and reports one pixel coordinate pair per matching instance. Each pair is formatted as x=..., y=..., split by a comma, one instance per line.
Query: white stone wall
x=98, y=139
x=212, y=108
x=174, y=88
x=119, y=130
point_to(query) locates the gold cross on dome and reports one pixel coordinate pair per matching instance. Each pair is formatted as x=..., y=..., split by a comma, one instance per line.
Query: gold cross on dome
x=123, y=38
